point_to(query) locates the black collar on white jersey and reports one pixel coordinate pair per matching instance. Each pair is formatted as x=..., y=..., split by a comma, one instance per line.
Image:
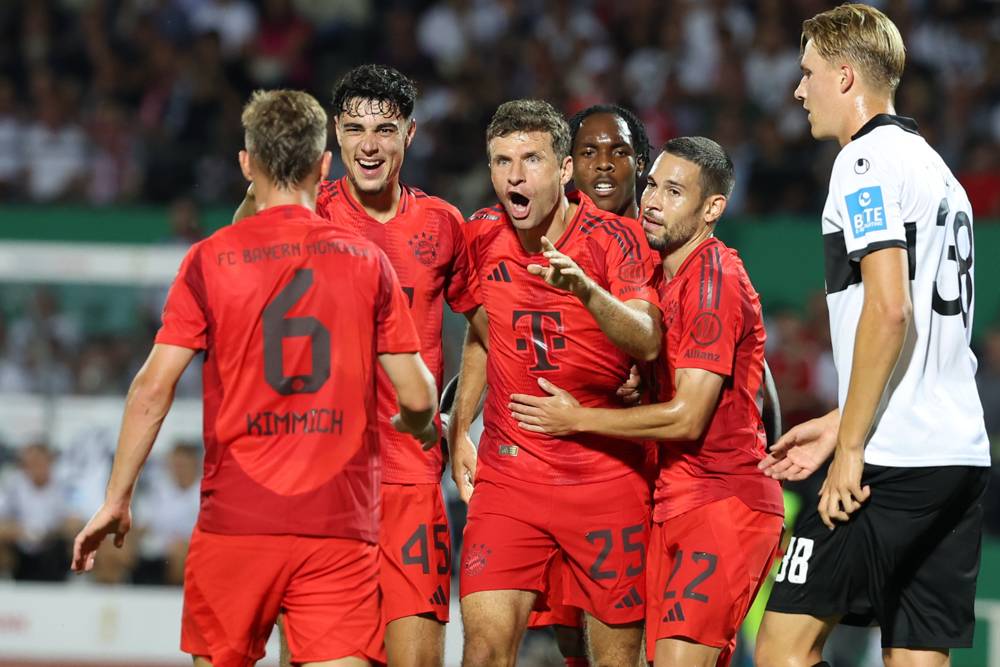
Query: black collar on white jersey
x=902, y=122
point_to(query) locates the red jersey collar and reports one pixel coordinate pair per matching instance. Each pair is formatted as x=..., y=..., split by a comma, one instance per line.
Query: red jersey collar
x=405, y=195
x=689, y=260
x=287, y=211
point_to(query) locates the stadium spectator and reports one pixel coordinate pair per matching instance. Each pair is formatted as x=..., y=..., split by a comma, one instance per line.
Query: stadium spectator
x=12, y=127
x=171, y=68
x=35, y=518
x=166, y=512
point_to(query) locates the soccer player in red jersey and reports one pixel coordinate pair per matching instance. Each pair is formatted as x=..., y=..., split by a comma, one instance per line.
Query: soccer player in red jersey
x=717, y=520
x=538, y=499
x=292, y=313
x=610, y=149
x=421, y=235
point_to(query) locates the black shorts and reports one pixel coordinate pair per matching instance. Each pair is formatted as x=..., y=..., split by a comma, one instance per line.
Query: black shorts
x=907, y=560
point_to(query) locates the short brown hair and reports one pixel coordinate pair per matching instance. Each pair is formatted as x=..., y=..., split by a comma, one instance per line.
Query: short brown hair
x=531, y=116
x=864, y=36
x=285, y=132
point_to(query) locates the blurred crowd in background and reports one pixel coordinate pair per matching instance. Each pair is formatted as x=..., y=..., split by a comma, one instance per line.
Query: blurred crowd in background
x=109, y=101
x=138, y=101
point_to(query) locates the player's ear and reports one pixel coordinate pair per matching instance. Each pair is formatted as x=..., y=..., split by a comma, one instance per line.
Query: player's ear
x=336, y=128
x=566, y=170
x=245, y=165
x=324, y=165
x=715, y=206
x=410, y=131
x=846, y=73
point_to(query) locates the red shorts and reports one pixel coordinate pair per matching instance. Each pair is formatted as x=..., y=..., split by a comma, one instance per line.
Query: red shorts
x=416, y=552
x=236, y=585
x=548, y=610
x=705, y=568
x=517, y=531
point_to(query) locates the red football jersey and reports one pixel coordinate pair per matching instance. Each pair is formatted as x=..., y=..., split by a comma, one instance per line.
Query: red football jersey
x=424, y=242
x=712, y=320
x=540, y=331
x=291, y=312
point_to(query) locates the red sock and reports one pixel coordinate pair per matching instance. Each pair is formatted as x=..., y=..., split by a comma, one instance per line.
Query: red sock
x=577, y=662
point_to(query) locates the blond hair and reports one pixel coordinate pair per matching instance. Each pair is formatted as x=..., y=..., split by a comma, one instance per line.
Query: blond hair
x=285, y=132
x=863, y=36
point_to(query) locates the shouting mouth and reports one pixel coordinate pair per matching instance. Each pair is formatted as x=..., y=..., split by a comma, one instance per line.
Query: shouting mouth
x=520, y=206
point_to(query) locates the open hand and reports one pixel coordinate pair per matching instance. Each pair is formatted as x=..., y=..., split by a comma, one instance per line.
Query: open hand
x=106, y=520
x=802, y=450
x=554, y=414
x=562, y=272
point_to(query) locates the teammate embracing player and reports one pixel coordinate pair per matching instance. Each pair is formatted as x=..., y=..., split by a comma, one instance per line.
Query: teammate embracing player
x=895, y=537
x=421, y=235
x=717, y=520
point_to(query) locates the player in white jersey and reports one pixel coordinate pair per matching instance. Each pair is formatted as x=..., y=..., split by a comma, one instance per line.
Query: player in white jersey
x=895, y=538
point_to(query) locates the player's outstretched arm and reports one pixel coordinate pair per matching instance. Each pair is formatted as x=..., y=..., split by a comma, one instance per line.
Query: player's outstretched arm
x=416, y=394
x=468, y=398
x=633, y=326
x=684, y=418
x=247, y=207
x=803, y=449
x=878, y=341
x=148, y=401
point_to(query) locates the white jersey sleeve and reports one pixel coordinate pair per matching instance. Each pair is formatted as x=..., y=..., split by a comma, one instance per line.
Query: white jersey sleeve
x=867, y=198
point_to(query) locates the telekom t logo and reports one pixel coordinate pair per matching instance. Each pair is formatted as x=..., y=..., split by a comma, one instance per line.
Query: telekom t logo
x=542, y=341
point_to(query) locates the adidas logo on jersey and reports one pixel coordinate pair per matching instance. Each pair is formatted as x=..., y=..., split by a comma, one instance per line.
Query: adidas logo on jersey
x=439, y=597
x=500, y=274
x=675, y=614
x=631, y=599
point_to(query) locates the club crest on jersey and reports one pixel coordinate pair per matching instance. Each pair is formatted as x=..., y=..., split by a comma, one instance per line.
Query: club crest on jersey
x=632, y=271
x=866, y=211
x=706, y=329
x=475, y=560
x=425, y=248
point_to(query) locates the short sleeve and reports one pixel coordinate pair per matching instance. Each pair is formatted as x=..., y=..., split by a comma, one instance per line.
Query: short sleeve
x=461, y=289
x=395, y=331
x=867, y=201
x=710, y=316
x=630, y=262
x=185, y=323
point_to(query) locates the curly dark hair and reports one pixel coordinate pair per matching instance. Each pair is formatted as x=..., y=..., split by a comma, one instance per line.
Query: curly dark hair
x=531, y=116
x=394, y=92
x=640, y=140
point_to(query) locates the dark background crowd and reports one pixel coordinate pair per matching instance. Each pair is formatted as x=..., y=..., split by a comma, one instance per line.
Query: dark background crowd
x=109, y=102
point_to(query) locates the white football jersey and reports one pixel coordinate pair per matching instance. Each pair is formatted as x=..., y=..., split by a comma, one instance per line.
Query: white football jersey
x=890, y=189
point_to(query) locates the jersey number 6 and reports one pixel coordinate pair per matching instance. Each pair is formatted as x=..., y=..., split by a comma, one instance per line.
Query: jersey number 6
x=277, y=328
